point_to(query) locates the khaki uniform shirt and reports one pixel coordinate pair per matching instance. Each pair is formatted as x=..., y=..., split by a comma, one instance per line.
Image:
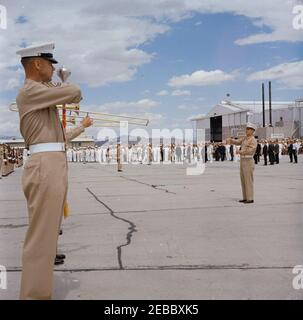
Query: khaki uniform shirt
x=248, y=145
x=39, y=117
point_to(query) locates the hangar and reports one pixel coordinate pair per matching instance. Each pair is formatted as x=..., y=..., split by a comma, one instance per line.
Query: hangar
x=228, y=118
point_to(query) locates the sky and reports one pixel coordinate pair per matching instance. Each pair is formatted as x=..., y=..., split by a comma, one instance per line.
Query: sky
x=166, y=60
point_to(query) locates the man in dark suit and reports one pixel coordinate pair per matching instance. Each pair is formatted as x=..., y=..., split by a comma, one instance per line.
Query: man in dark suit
x=289, y=149
x=217, y=152
x=222, y=152
x=258, y=152
x=161, y=153
x=277, y=149
x=271, y=153
x=205, y=152
x=265, y=152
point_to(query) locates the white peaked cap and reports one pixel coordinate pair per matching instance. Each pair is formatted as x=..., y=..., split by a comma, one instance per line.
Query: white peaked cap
x=251, y=125
x=43, y=51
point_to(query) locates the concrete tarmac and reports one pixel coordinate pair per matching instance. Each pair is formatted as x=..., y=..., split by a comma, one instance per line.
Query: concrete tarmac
x=153, y=232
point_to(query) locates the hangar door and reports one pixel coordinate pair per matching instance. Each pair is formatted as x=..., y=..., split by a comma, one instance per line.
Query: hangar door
x=216, y=129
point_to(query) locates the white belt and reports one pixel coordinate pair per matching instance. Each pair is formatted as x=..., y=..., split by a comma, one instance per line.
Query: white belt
x=47, y=147
x=246, y=157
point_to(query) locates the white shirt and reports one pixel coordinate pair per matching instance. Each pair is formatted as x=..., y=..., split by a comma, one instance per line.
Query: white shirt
x=296, y=146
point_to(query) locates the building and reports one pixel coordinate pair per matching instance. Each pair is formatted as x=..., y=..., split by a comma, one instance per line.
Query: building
x=79, y=142
x=13, y=142
x=229, y=118
x=82, y=141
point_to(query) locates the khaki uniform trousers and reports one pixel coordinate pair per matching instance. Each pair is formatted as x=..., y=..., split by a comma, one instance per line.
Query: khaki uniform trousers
x=247, y=167
x=44, y=184
x=1, y=163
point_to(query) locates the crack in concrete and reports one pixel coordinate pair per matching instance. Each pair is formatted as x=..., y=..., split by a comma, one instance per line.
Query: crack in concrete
x=154, y=186
x=12, y=226
x=237, y=205
x=129, y=235
x=170, y=267
x=198, y=208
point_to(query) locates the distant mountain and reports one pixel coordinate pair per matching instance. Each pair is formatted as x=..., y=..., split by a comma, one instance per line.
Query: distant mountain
x=9, y=138
x=131, y=140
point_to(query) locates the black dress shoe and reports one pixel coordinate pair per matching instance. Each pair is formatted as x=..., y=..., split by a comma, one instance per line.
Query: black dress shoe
x=58, y=262
x=249, y=201
x=242, y=200
x=60, y=256
x=60, y=232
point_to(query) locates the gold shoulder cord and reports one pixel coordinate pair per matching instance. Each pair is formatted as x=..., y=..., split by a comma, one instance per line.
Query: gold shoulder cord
x=52, y=84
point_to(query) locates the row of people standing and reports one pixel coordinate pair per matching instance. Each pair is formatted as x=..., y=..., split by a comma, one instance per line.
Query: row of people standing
x=147, y=154
x=220, y=151
x=272, y=150
x=10, y=158
x=110, y=154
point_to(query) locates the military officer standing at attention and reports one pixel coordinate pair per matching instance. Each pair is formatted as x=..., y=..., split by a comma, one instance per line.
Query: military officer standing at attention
x=44, y=179
x=247, y=166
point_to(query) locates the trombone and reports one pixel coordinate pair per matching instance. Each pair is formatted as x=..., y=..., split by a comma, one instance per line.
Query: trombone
x=99, y=119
